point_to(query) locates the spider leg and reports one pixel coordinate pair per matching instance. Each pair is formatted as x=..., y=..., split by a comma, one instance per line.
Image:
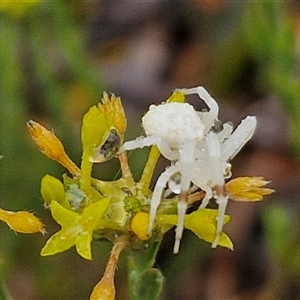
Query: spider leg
x=208, y=118
x=239, y=138
x=157, y=193
x=222, y=201
x=217, y=180
x=142, y=142
x=225, y=133
x=186, y=161
x=207, y=197
x=230, y=148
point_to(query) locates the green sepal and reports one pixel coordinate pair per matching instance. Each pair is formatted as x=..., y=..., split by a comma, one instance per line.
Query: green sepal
x=116, y=188
x=93, y=130
x=53, y=189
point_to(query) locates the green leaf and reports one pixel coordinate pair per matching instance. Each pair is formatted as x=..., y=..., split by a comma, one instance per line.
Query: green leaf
x=149, y=285
x=145, y=282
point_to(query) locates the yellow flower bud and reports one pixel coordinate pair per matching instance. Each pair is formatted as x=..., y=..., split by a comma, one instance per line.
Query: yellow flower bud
x=139, y=225
x=177, y=96
x=51, y=146
x=247, y=189
x=22, y=221
x=105, y=289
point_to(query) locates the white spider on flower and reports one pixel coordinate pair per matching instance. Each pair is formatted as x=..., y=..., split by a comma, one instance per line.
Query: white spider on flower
x=198, y=150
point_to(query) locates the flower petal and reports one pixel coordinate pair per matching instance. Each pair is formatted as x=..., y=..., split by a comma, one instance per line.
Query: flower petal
x=205, y=228
x=83, y=244
x=92, y=214
x=203, y=223
x=93, y=130
x=58, y=243
x=53, y=189
x=63, y=216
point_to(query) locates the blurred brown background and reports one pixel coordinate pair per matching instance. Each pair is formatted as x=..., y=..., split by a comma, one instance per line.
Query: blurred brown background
x=56, y=59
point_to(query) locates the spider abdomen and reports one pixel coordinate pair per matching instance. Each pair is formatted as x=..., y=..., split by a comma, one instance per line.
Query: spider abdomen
x=173, y=122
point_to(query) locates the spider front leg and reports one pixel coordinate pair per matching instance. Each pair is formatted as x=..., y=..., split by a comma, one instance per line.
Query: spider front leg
x=157, y=193
x=222, y=201
x=217, y=180
x=238, y=138
x=229, y=149
x=207, y=118
x=142, y=142
x=207, y=197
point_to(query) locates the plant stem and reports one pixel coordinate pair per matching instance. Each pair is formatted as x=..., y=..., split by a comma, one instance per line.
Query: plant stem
x=106, y=287
x=145, y=282
x=86, y=170
x=126, y=173
x=148, y=171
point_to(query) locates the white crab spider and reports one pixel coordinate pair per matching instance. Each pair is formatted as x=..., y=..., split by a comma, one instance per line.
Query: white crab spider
x=199, y=154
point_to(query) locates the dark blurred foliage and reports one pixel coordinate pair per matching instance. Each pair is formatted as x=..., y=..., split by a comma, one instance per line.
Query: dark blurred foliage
x=57, y=57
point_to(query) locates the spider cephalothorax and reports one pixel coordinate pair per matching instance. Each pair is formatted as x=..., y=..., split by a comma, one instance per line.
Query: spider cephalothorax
x=198, y=147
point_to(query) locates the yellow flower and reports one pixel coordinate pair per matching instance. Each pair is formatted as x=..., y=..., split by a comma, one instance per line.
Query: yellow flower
x=139, y=225
x=22, y=221
x=51, y=146
x=203, y=222
x=248, y=189
x=77, y=229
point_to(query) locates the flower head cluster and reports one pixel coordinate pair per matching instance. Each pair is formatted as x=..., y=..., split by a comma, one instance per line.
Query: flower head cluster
x=89, y=209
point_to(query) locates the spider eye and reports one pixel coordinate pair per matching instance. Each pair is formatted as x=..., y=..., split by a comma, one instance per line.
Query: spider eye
x=217, y=127
x=109, y=148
